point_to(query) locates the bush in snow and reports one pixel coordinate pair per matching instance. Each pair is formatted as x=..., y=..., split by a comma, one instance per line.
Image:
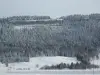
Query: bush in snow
x=71, y=66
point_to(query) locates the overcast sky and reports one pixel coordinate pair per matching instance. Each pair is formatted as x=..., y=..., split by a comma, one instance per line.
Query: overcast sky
x=53, y=8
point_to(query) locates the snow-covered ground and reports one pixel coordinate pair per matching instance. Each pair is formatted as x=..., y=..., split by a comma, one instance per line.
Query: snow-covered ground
x=37, y=62
x=95, y=60
x=19, y=27
x=32, y=67
x=3, y=68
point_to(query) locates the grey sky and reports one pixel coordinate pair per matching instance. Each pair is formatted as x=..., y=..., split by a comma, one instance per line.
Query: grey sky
x=53, y=8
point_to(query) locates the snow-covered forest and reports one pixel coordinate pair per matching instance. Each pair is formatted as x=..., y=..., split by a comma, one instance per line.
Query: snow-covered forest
x=23, y=37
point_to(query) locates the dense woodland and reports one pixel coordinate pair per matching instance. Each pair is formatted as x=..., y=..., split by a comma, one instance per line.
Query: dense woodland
x=68, y=36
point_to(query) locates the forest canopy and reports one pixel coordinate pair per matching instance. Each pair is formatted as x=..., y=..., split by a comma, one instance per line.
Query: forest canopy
x=66, y=36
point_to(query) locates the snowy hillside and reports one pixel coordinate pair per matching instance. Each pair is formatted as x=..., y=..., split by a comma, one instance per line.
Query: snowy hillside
x=38, y=62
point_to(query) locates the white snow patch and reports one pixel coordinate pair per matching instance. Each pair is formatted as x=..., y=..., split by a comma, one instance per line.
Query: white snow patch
x=36, y=63
x=95, y=60
x=3, y=67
